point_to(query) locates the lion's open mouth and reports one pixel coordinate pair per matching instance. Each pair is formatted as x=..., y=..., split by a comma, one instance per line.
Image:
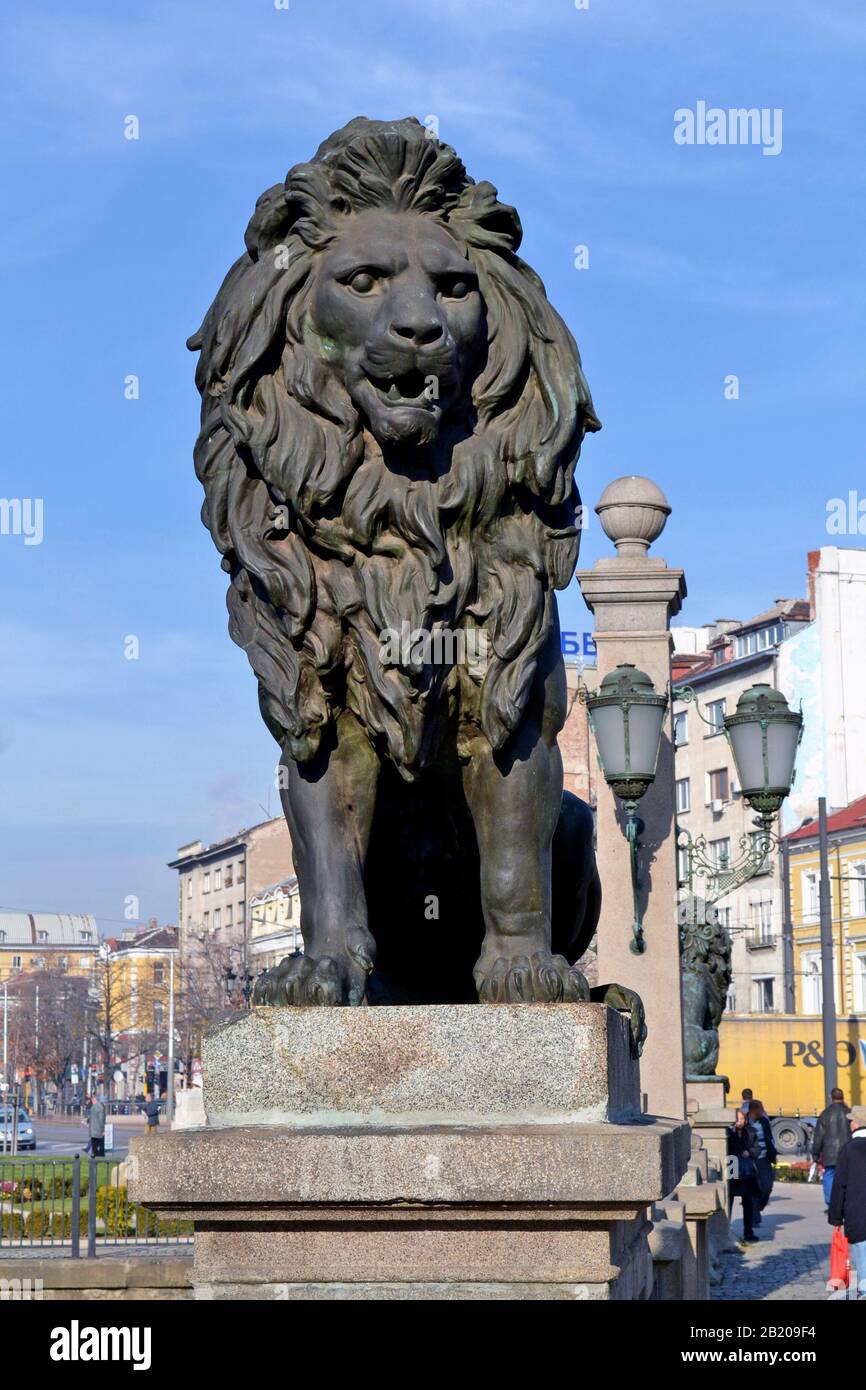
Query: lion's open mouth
x=410, y=388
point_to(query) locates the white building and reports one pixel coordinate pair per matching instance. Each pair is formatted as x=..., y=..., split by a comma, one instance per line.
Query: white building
x=275, y=924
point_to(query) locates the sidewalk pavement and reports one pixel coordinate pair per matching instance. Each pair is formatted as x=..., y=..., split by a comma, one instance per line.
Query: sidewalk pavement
x=792, y=1257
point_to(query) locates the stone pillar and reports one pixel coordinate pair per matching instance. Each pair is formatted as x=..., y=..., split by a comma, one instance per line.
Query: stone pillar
x=633, y=597
x=466, y=1152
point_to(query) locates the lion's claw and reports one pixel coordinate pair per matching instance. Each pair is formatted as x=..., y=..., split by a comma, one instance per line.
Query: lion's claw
x=301, y=980
x=538, y=979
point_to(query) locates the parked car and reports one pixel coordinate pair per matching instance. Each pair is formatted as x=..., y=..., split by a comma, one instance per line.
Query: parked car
x=26, y=1132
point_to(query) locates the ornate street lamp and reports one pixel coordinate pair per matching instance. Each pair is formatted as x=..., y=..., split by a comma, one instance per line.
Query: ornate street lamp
x=764, y=734
x=626, y=715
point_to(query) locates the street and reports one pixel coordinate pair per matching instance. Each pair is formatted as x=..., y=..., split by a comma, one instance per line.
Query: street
x=792, y=1258
x=66, y=1136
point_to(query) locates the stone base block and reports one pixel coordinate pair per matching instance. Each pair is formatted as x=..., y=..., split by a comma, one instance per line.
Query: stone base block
x=705, y=1093
x=473, y=1064
x=479, y=1151
x=537, y=1211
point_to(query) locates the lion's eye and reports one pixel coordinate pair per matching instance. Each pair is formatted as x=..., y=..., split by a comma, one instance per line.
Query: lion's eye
x=362, y=282
x=457, y=289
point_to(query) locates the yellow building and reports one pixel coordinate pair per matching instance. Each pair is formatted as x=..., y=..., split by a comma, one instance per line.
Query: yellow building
x=58, y=941
x=847, y=845
x=131, y=989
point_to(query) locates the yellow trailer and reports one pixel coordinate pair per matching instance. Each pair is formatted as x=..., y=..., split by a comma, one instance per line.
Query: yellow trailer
x=780, y=1057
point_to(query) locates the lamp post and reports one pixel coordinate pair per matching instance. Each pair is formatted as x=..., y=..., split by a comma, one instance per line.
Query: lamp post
x=626, y=715
x=764, y=734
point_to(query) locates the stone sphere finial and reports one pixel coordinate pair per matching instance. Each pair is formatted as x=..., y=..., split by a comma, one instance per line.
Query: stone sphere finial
x=633, y=512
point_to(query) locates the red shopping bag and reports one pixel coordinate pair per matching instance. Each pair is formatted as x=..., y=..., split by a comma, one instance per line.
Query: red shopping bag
x=839, y=1266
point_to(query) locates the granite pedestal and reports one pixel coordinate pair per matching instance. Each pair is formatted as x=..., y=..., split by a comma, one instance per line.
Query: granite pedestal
x=467, y=1152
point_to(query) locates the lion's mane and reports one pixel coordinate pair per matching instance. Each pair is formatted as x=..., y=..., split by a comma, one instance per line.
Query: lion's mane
x=325, y=544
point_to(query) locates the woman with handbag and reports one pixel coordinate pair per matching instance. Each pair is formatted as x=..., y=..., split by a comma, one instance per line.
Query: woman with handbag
x=742, y=1153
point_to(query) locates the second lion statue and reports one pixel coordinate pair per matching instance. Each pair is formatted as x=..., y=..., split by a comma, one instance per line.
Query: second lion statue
x=391, y=416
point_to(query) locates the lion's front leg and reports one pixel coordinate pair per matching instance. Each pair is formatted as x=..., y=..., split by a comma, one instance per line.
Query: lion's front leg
x=515, y=799
x=329, y=805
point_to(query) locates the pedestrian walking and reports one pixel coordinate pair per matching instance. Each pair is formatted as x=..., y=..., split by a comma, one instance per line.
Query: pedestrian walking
x=831, y=1132
x=848, y=1197
x=151, y=1110
x=766, y=1156
x=742, y=1148
x=96, y=1124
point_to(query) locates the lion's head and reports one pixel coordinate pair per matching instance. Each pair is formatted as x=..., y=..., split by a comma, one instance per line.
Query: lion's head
x=391, y=415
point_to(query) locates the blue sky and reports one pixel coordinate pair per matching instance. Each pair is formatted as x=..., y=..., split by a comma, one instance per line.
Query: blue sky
x=704, y=261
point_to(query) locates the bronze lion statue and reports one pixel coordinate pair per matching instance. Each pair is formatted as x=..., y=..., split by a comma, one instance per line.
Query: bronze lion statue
x=391, y=416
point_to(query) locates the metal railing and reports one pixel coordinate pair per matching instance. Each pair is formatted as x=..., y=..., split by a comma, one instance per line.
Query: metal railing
x=76, y=1206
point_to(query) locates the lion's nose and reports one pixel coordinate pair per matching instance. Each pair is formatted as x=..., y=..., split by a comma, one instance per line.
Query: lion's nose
x=419, y=329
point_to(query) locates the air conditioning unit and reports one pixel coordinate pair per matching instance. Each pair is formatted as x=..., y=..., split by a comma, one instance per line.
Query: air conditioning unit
x=717, y=807
x=736, y=789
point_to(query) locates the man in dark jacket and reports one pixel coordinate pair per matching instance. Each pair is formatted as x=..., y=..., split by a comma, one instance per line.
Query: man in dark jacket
x=848, y=1198
x=831, y=1132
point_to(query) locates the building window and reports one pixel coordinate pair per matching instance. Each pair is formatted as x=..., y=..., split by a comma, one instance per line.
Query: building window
x=683, y=795
x=813, y=994
x=682, y=864
x=716, y=716
x=761, y=914
x=159, y=974
x=217, y=879
x=229, y=915
x=2, y=936
x=757, y=838
x=857, y=891
x=85, y=936
x=16, y=962
x=860, y=982
x=719, y=786
x=63, y=963
x=809, y=889
x=759, y=641
x=720, y=853
x=206, y=919
x=189, y=886
x=724, y=918
x=205, y=888
x=158, y=1014
x=241, y=913
x=229, y=878
x=681, y=729
x=43, y=936
x=84, y=962
x=763, y=994
x=241, y=872
x=217, y=919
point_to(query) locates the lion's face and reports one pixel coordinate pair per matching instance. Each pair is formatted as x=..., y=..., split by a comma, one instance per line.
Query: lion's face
x=397, y=313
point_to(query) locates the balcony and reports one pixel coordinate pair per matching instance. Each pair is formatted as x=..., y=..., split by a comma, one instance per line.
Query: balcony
x=760, y=939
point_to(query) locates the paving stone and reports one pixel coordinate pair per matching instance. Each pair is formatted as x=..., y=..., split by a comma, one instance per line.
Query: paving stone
x=792, y=1258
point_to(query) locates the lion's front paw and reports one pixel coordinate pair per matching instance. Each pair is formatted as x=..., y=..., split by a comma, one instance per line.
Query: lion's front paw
x=301, y=980
x=625, y=1001
x=541, y=978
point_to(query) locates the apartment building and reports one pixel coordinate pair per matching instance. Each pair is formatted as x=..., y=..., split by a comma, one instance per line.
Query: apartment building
x=709, y=801
x=216, y=881
x=812, y=650
x=60, y=941
x=847, y=853
x=275, y=924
